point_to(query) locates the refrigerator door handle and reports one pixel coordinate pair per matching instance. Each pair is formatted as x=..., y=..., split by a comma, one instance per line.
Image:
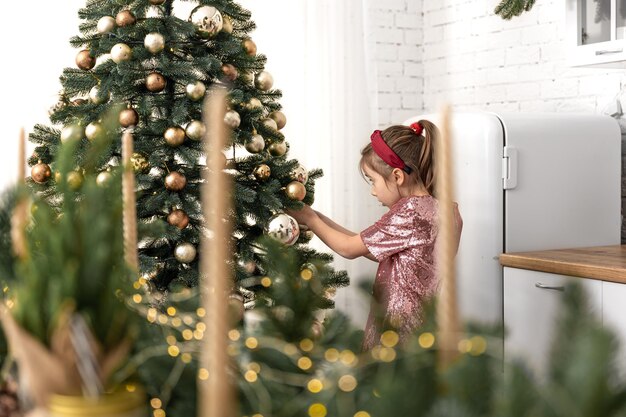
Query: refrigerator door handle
x=549, y=287
x=509, y=168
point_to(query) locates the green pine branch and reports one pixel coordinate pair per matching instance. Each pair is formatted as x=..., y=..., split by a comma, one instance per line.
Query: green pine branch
x=510, y=8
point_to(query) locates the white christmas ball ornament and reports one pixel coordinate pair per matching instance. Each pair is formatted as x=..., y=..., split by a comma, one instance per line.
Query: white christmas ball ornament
x=185, y=253
x=195, y=91
x=71, y=133
x=207, y=19
x=121, y=52
x=195, y=130
x=232, y=119
x=106, y=24
x=154, y=42
x=97, y=97
x=283, y=228
x=300, y=174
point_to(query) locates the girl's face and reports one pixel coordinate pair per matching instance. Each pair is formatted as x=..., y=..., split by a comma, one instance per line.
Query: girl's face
x=386, y=193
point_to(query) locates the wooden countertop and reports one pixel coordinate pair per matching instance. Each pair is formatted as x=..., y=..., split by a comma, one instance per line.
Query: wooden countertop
x=607, y=263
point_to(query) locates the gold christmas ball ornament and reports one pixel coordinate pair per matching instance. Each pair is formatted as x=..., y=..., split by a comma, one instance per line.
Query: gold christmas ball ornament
x=249, y=267
x=178, y=218
x=280, y=119
x=174, y=136
x=227, y=25
x=230, y=72
x=106, y=24
x=121, y=52
x=262, y=172
x=78, y=102
x=156, y=2
x=256, y=144
x=84, y=60
x=283, y=228
x=40, y=172
x=93, y=131
x=295, y=190
x=264, y=81
x=317, y=330
x=195, y=91
x=139, y=163
x=185, y=253
x=155, y=82
x=254, y=104
x=97, y=96
x=128, y=118
x=300, y=174
x=175, y=181
x=278, y=148
x=269, y=123
x=72, y=133
x=195, y=130
x=232, y=119
x=125, y=18
x=308, y=235
x=250, y=47
x=236, y=307
x=154, y=42
x=207, y=20
x=103, y=178
x=74, y=180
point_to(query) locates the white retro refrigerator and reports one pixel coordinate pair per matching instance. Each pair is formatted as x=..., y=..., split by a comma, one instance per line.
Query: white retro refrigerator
x=529, y=182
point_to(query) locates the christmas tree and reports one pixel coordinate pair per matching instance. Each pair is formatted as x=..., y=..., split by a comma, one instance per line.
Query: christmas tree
x=157, y=68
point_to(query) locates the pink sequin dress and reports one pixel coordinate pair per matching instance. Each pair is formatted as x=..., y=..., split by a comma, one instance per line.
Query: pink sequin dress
x=403, y=241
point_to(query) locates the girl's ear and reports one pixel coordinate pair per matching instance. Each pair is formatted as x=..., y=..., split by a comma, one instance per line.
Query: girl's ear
x=398, y=176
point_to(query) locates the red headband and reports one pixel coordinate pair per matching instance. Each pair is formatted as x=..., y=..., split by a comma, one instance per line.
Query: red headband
x=386, y=153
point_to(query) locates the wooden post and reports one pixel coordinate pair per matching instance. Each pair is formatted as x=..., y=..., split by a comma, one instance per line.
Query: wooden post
x=447, y=306
x=129, y=203
x=216, y=395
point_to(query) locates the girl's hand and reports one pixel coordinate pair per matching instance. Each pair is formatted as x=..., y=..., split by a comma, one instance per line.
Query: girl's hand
x=302, y=216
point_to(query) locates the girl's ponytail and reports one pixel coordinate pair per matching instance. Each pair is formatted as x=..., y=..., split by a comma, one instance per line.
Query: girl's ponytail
x=426, y=157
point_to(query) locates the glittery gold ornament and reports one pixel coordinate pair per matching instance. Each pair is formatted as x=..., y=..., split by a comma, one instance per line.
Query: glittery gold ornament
x=207, y=20
x=295, y=190
x=278, y=148
x=174, y=136
x=93, y=131
x=72, y=133
x=121, y=52
x=230, y=72
x=283, y=228
x=139, y=163
x=250, y=47
x=232, y=119
x=300, y=174
x=40, y=172
x=227, y=25
x=84, y=60
x=105, y=24
x=103, y=178
x=154, y=42
x=125, y=18
x=128, y=118
x=175, y=181
x=280, y=119
x=262, y=172
x=185, y=253
x=195, y=91
x=155, y=82
x=254, y=104
x=74, y=180
x=270, y=123
x=264, y=81
x=98, y=97
x=256, y=144
x=195, y=130
x=178, y=218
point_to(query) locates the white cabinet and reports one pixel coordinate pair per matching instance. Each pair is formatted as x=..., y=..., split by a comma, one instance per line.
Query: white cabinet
x=614, y=316
x=531, y=305
x=596, y=32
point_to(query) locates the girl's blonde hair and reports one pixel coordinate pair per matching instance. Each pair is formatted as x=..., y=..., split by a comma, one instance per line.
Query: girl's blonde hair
x=417, y=152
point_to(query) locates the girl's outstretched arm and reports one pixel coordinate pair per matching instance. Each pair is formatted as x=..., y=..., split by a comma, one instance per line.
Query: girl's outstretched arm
x=342, y=229
x=346, y=243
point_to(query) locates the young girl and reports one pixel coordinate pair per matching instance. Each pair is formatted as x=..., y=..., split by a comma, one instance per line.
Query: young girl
x=399, y=164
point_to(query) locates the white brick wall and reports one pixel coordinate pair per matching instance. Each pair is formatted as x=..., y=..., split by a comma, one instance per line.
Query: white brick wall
x=430, y=51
